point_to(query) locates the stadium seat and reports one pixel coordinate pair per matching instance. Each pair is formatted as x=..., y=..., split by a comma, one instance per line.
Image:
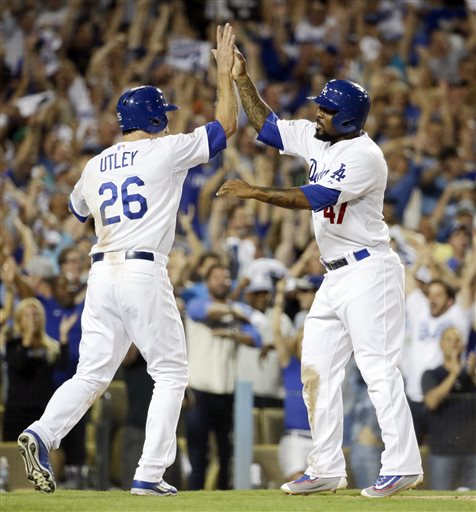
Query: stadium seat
x=257, y=426
x=272, y=424
x=266, y=455
x=107, y=418
x=16, y=470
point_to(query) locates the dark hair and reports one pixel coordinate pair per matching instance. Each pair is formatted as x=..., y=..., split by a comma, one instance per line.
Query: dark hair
x=448, y=152
x=65, y=252
x=450, y=291
x=208, y=254
x=214, y=267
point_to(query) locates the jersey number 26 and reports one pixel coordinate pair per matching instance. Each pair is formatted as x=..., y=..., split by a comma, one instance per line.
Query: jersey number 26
x=126, y=199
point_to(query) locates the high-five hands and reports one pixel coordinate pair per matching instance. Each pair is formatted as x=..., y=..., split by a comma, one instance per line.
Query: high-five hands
x=224, y=52
x=239, y=64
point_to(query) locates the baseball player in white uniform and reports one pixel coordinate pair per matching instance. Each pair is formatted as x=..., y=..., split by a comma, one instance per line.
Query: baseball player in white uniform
x=360, y=305
x=132, y=190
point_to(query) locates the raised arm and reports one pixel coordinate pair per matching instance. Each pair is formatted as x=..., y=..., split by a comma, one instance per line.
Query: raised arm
x=227, y=105
x=255, y=107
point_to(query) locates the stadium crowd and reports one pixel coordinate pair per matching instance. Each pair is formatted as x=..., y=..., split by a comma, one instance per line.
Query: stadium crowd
x=63, y=65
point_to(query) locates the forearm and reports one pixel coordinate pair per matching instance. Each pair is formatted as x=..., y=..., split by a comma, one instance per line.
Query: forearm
x=292, y=198
x=216, y=311
x=243, y=338
x=255, y=107
x=440, y=207
x=136, y=28
x=23, y=288
x=435, y=396
x=465, y=296
x=215, y=225
x=195, y=244
x=205, y=196
x=281, y=346
x=227, y=106
x=8, y=306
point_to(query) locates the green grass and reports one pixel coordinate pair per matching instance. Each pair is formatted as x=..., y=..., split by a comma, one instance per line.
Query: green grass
x=231, y=501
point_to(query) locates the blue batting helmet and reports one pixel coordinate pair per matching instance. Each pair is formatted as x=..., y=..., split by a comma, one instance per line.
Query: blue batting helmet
x=350, y=101
x=143, y=108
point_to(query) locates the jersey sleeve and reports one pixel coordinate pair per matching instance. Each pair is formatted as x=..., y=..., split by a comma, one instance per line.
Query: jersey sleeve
x=320, y=197
x=415, y=301
x=296, y=137
x=251, y=331
x=357, y=174
x=77, y=203
x=197, y=309
x=197, y=147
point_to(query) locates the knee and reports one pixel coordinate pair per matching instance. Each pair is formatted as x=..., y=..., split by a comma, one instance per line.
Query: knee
x=175, y=376
x=376, y=368
x=96, y=384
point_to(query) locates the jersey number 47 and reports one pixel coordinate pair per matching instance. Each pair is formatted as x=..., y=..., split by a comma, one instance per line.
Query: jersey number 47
x=330, y=214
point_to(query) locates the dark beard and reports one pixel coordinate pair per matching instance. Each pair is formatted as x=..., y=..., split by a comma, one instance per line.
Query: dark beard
x=326, y=138
x=219, y=294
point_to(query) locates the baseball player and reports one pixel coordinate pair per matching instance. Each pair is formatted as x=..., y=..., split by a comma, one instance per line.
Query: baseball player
x=132, y=190
x=360, y=305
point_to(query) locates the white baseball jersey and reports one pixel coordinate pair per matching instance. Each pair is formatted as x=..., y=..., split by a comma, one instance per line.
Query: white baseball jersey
x=133, y=190
x=357, y=168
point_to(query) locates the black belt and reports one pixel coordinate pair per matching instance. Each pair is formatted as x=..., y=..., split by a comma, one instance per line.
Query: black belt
x=129, y=255
x=342, y=262
x=298, y=433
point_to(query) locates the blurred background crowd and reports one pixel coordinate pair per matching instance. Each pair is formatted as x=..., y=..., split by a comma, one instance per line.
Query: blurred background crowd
x=63, y=64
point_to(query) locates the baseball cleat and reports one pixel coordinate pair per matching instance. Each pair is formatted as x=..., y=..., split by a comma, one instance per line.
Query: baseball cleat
x=37, y=464
x=390, y=485
x=307, y=485
x=162, y=488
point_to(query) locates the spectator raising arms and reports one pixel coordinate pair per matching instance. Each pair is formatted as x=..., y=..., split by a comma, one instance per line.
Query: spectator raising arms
x=31, y=357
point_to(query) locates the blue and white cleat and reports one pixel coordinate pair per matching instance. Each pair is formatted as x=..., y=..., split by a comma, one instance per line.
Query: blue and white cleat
x=37, y=464
x=307, y=485
x=390, y=485
x=162, y=488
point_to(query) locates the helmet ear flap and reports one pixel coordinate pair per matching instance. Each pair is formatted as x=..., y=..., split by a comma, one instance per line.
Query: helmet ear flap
x=343, y=124
x=160, y=122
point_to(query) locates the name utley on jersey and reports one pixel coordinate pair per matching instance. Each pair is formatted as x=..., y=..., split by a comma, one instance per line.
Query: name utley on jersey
x=357, y=168
x=133, y=189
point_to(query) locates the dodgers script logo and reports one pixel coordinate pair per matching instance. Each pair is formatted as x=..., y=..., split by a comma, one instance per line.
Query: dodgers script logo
x=315, y=176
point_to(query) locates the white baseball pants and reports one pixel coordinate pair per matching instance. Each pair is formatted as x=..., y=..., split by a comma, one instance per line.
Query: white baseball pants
x=359, y=307
x=127, y=301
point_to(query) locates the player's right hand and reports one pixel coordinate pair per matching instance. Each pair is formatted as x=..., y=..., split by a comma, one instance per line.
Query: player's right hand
x=239, y=65
x=237, y=188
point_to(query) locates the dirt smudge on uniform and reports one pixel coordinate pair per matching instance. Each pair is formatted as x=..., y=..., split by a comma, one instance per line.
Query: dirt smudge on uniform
x=310, y=380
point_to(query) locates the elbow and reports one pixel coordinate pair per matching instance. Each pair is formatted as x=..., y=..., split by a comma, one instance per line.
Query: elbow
x=230, y=126
x=232, y=130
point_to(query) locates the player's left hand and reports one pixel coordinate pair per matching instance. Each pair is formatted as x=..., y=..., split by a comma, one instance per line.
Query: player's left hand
x=238, y=188
x=224, y=53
